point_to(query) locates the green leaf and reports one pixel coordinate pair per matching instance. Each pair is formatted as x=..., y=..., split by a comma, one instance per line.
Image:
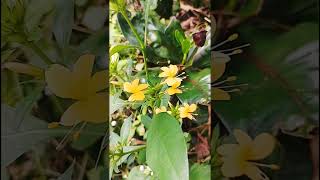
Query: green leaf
x=63, y=22
x=200, y=172
x=196, y=87
x=125, y=130
x=167, y=149
x=31, y=132
x=146, y=121
x=17, y=141
x=116, y=102
x=121, y=47
x=67, y=175
x=137, y=22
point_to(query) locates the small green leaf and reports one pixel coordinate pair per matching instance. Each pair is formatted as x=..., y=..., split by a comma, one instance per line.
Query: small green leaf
x=125, y=130
x=120, y=47
x=167, y=149
x=116, y=102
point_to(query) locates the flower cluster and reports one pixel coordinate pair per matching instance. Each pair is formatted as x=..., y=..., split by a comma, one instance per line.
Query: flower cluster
x=171, y=83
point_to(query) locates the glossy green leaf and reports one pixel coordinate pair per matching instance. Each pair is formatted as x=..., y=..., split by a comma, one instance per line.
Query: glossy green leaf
x=167, y=149
x=119, y=48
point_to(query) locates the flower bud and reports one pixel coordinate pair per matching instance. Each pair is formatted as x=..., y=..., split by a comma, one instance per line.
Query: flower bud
x=199, y=38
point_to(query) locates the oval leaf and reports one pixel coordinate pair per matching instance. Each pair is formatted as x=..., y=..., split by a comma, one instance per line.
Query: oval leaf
x=167, y=149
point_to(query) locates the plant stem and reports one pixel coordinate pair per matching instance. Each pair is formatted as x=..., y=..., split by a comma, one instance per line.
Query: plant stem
x=40, y=53
x=142, y=44
x=124, y=14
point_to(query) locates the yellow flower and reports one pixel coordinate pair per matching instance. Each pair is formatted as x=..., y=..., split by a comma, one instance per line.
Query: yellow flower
x=238, y=159
x=162, y=109
x=170, y=74
x=136, y=89
x=170, y=71
x=174, y=89
x=187, y=110
x=78, y=84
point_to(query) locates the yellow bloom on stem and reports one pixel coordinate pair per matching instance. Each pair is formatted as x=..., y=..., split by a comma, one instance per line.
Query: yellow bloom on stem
x=238, y=159
x=170, y=74
x=187, y=110
x=170, y=71
x=79, y=85
x=136, y=89
x=174, y=88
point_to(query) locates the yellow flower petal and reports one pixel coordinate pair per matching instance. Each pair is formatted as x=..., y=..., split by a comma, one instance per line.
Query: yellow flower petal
x=139, y=96
x=127, y=87
x=173, y=70
x=76, y=84
x=218, y=70
x=243, y=138
x=83, y=67
x=170, y=71
x=142, y=87
x=60, y=82
x=172, y=91
x=227, y=149
x=219, y=94
x=262, y=147
x=230, y=168
x=99, y=81
x=93, y=110
x=173, y=81
x=135, y=82
x=164, y=73
x=192, y=107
